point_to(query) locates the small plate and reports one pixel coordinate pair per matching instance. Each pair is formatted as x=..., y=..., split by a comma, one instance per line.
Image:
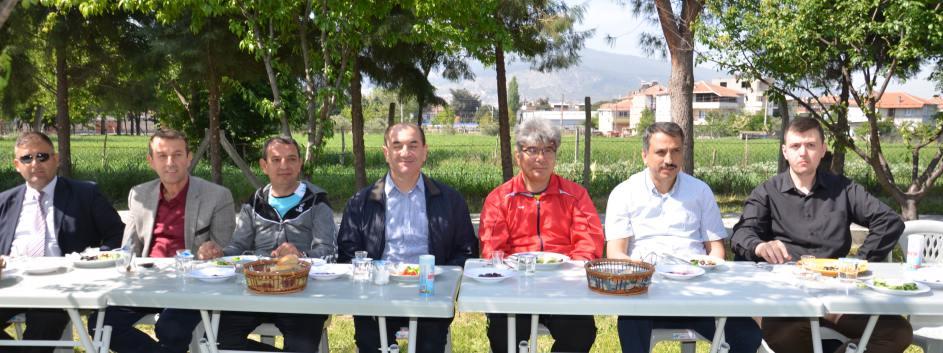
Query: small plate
x=706, y=262
x=42, y=268
x=921, y=288
x=479, y=273
x=314, y=261
x=103, y=259
x=545, y=260
x=679, y=272
x=235, y=260
x=328, y=271
x=212, y=274
x=931, y=276
x=396, y=276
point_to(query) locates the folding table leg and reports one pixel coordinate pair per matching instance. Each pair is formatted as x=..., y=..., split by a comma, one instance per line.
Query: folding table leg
x=210, y=334
x=384, y=344
x=83, y=334
x=816, y=335
x=512, y=333
x=534, y=319
x=413, y=331
x=866, y=335
x=718, y=334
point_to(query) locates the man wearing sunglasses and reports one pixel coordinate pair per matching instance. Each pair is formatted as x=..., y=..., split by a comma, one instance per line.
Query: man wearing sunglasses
x=50, y=216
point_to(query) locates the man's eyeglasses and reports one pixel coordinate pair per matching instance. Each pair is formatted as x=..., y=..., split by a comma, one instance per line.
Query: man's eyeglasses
x=40, y=157
x=549, y=151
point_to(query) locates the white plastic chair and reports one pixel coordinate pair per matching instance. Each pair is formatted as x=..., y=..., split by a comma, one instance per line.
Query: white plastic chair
x=267, y=333
x=688, y=338
x=827, y=334
x=928, y=330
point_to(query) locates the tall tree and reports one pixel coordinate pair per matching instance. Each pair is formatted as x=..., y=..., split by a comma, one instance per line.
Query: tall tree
x=514, y=98
x=464, y=103
x=677, y=19
x=792, y=45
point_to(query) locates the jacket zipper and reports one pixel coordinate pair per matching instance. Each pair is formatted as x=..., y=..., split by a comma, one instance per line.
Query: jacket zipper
x=539, y=237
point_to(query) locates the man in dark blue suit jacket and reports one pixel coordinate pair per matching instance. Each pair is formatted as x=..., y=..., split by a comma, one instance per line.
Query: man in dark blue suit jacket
x=32, y=223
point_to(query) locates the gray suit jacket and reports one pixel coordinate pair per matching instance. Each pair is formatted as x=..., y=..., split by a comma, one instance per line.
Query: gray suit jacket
x=210, y=215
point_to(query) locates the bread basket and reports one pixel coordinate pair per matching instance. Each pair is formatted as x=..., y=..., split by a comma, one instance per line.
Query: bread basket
x=619, y=277
x=263, y=279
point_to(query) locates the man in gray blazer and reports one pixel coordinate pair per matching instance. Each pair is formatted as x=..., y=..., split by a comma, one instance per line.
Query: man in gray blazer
x=175, y=212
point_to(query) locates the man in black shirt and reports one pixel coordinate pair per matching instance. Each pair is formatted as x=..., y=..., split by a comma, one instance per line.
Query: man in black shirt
x=806, y=211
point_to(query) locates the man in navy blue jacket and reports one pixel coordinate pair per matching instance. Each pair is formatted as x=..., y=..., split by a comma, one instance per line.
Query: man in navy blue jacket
x=50, y=216
x=403, y=215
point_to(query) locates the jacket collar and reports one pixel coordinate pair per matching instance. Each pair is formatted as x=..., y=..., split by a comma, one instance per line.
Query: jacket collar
x=378, y=191
x=518, y=187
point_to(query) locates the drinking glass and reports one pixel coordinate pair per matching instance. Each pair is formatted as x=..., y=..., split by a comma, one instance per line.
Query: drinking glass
x=497, y=258
x=183, y=262
x=528, y=264
x=124, y=263
x=848, y=269
x=361, y=269
x=360, y=254
x=807, y=267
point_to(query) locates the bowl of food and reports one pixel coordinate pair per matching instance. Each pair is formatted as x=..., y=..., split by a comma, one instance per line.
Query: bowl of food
x=545, y=260
x=706, y=262
x=286, y=275
x=679, y=272
x=830, y=268
x=896, y=286
x=489, y=274
x=212, y=274
x=409, y=273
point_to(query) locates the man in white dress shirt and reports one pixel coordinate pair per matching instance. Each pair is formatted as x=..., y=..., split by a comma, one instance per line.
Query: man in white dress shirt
x=662, y=210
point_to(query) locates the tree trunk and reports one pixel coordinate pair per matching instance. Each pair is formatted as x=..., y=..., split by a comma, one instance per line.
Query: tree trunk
x=784, y=114
x=118, y=129
x=356, y=117
x=504, y=127
x=680, y=89
x=908, y=209
x=841, y=125
x=421, y=102
x=212, y=83
x=6, y=7
x=391, y=115
x=38, y=118
x=63, y=127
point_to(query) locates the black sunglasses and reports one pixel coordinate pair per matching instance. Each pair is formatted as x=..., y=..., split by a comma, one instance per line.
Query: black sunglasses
x=41, y=157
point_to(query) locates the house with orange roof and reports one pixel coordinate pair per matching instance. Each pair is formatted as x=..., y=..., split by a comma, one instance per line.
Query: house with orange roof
x=614, y=117
x=708, y=98
x=901, y=106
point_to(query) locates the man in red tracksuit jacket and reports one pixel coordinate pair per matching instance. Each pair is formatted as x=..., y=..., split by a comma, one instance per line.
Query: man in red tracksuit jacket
x=539, y=211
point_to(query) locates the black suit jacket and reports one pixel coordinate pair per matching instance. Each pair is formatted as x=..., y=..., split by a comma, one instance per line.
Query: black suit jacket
x=83, y=216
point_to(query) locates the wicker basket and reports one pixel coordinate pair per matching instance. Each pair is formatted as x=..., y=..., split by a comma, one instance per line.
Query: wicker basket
x=260, y=278
x=619, y=277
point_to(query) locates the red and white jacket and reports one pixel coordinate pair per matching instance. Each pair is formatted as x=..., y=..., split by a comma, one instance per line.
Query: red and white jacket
x=562, y=219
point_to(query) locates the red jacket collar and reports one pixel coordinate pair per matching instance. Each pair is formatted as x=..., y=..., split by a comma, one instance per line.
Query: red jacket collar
x=518, y=187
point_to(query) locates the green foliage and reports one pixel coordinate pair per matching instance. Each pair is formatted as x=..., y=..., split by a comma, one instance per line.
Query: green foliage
x=486, y=122
x=514, y=98
x=464, y=103
x=646, y=120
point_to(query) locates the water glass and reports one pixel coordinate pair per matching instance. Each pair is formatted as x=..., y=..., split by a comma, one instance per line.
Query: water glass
x=124, y=262
x=361, y=269
x=381, y=272
x=527, y=263
x=360, y=254
x=183, y=262
x=848, y=269
x=497, y=258
x=807, y=267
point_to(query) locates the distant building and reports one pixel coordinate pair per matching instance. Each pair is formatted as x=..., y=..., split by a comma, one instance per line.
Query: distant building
x=900, y=106
x=567, y=119
x=614, y=118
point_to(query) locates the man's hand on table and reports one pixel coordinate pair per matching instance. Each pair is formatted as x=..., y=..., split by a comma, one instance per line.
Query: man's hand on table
x=773, y=252
x=209, y=250
x=286, y=249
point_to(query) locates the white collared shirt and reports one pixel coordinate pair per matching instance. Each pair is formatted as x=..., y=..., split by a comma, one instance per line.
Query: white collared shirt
x=678, y=222
x=25, y=231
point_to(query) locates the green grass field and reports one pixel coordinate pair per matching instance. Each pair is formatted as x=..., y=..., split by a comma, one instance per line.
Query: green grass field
x=471, y=164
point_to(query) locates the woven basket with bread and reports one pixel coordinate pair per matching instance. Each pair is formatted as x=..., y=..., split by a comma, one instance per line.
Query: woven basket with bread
x=620, y=277
x=286, y=275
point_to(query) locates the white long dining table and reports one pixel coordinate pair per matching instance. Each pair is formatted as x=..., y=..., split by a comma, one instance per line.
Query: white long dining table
x=70, y=289
x=73, y=289
x=736, y=289
x=160, y=288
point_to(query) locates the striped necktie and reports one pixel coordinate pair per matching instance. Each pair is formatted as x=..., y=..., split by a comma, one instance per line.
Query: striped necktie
x=38, y=246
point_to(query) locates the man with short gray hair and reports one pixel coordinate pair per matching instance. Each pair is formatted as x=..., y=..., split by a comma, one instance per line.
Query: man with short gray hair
x=538, y=210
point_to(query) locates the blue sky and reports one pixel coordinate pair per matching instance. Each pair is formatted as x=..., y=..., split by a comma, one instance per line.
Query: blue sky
x=609, y=18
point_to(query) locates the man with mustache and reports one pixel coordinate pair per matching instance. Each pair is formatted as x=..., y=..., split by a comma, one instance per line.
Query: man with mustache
x=538, y=210
x=401, y=216
x=807, y=211
x=176, y=211
x=662, y=210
